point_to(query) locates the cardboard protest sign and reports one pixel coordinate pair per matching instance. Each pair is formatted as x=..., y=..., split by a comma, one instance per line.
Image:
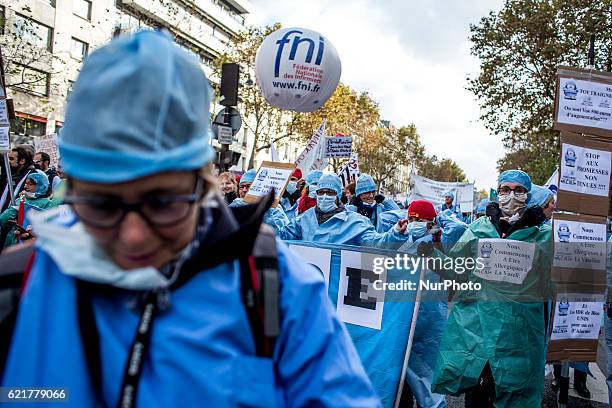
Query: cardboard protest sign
x=50, y=145
x=505, y=260
x=579, y=249
x=584, y=178
x=583, y=102
x=338, y=146
x=270, y=176
x=576, y=323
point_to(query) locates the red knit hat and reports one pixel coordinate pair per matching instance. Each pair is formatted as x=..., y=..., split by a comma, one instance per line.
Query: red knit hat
x=297, y=173
x=422, y=209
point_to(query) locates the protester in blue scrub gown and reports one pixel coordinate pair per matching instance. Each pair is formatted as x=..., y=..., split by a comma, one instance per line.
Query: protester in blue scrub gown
x=367, y=203
x=330, y=222
x=134, y=144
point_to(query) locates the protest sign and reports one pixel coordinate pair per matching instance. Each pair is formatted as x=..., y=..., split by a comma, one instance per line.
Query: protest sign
x=4, y=117
x=311, y=157
x=579, y=249
x=505, y=260
x=338, y=146
x=583, y=102
x=576, y=322
x=350, y=172
x=319, y=258
x=553, y=182
x=426, y=189
x=48, y=144
x=270, y=176
x=584, y=177
x=4, y=139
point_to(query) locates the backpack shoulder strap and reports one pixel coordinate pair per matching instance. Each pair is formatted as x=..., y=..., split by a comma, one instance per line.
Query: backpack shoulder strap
x=260, y=286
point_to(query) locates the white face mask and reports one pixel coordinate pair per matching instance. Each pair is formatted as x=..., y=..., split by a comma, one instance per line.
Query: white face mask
x=511, y=204
x=77, y=254
x=29, y=195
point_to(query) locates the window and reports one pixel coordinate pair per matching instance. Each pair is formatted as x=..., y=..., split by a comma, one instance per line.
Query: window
x=29, y=80
x=25, y=124
x=33, y=32
x=79, y=48
x=82, y=8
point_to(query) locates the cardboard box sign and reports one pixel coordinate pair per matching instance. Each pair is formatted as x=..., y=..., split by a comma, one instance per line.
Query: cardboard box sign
x=271, y=175
x=583, y=102
x=584, y=176
x=575, y=324
x=580, y=249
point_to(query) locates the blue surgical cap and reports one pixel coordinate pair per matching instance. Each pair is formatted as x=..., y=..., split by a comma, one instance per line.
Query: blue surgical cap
x=539, y=196
x=314, y=177
x=481, y=208
x=42, y=182
x=139, y=107
x=365, y=184
x=332, y=182
x=515, y=176
x=248, y=177
x=449, y=194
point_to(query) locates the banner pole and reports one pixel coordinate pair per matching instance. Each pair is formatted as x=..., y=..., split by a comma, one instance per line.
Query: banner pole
x=415, y=313
x=9, y=178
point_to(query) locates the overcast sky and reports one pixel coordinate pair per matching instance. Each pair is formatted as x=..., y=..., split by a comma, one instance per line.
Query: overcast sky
x=412, y=56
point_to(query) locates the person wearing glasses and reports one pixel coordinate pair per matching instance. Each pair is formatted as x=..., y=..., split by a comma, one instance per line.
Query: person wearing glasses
x=329, y=221
x=493, y=347
x=134, y=297
x=32, y=198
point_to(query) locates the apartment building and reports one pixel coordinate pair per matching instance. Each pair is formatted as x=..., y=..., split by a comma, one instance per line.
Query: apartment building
x=45, y=41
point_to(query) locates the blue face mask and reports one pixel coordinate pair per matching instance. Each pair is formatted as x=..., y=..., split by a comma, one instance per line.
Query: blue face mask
x=292, y=187
x=417, y=229
x=312, y=191
x=326, y=203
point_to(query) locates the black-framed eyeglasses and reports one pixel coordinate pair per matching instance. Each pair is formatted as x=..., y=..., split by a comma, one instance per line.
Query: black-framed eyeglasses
x=157, y=211
x=505, y=190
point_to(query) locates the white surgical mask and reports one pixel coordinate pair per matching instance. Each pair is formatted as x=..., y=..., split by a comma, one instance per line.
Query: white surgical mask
x=77, y=254
x=371, y=205
x=511, y=204
x=29, y=195
x=292, y=187
x=326, y=203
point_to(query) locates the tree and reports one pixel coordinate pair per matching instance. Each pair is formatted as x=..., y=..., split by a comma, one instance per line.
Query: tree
x=383, y=151
x=441, y=169
x=519, y=49
x=266, y=122
x=28, y=62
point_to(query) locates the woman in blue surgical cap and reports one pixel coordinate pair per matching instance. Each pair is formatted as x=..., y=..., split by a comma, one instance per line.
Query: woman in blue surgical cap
x=493, y=347
x=135, y=297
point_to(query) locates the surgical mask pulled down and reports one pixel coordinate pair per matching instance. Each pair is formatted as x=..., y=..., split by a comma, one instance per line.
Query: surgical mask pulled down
x=512, y=203
x=326, y=203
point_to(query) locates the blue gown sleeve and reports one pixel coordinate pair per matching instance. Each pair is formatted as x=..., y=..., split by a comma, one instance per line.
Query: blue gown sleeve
x=389, y=205
x=292, y=230
x=315, y=357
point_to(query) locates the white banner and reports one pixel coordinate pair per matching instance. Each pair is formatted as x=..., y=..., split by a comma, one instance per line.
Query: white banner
x=319, y=258
x=311, y=157
x=426, y=189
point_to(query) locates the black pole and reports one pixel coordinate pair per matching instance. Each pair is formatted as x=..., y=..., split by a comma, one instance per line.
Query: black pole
x=592, y=51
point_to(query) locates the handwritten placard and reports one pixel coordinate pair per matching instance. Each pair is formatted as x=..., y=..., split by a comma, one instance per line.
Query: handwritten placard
x=505, y=260
x=338, y=146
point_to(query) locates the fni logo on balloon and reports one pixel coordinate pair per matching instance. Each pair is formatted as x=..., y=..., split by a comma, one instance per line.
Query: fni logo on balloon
x=297, y=40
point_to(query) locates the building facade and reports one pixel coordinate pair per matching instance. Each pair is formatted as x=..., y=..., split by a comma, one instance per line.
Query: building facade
x=44, y=43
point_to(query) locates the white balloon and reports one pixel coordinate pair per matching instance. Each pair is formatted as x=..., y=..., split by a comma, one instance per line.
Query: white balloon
x=297, y=69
